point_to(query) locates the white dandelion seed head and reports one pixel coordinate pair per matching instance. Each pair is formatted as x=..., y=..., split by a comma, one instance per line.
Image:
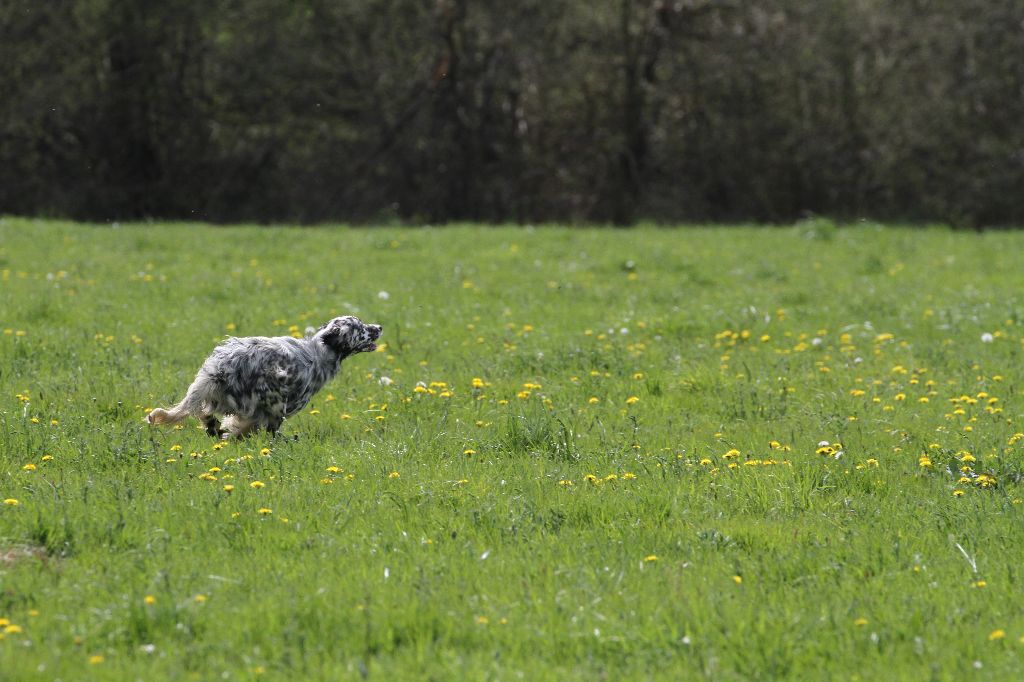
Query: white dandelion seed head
x=383, y=295
x=816, y=341
x=386, y=381
x=987, y=338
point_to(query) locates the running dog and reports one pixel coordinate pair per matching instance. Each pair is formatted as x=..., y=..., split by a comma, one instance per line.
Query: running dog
x=257, y=382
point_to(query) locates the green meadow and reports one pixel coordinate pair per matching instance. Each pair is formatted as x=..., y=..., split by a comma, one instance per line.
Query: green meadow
x=727, y=453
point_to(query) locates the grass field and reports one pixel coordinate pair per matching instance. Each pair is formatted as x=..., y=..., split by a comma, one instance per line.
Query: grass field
x=670, y=454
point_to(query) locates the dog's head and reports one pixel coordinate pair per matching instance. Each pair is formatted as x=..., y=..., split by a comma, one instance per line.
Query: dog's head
x=349, y=335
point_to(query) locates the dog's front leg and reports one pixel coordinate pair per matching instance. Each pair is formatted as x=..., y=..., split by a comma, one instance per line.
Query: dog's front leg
x=274, y=425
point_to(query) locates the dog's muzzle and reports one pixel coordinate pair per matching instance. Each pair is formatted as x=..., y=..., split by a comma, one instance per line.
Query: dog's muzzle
x=375, y=332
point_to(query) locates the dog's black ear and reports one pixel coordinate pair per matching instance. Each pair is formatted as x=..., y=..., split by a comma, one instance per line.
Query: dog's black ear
x=331, y=333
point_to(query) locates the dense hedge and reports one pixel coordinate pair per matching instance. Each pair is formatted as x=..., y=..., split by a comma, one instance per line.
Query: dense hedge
x=534, y=110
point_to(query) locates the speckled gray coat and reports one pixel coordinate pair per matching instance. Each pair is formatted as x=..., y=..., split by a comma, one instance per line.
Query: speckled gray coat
x=257, y=382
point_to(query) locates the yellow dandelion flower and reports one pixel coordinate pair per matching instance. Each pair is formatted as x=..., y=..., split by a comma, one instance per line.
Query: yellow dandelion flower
x=985, y=481
x=860, y=622
x=737, y=579
x=96, y=659
x=228, y=488
x=12, y=629
x=11, y=502
x=632, y=400
x=199, y=599
x=149, y=600
x=996, y=634
x=565, y=482
x=394, y=474
x=263, y=511
x=29, y=467
x=257, y=484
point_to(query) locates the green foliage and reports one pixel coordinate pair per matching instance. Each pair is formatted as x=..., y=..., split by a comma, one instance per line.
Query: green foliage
x=596, y=454
x=618, y=111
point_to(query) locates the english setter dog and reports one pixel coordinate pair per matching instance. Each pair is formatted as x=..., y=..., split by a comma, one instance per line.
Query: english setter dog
x=260, y=381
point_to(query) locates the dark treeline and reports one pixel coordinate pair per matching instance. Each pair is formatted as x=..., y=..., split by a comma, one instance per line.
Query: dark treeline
x=526, y=110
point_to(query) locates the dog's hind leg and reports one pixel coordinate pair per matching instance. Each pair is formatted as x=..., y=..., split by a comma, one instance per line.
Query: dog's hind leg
x=235, y=426
x=212, y=425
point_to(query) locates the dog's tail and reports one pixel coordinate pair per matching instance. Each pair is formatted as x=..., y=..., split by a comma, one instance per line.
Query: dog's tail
x=191, y=405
